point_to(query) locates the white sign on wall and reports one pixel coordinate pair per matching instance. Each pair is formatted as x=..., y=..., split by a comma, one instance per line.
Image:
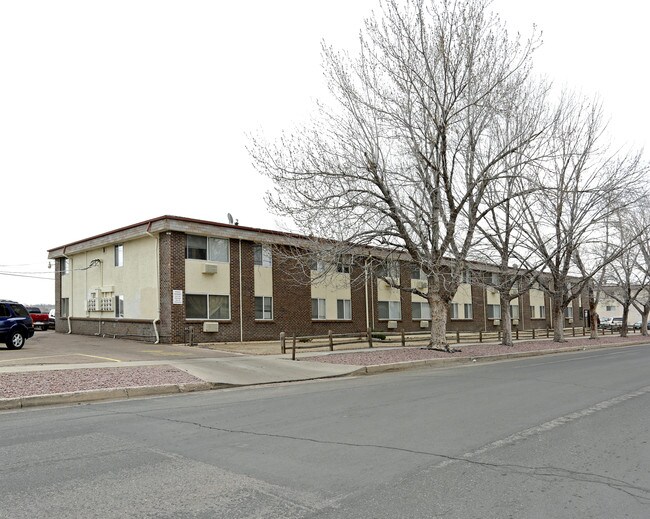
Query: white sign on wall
x=177, y=297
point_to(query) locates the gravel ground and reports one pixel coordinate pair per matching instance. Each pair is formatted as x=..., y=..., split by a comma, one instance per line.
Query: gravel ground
x=377, y=357
x=14, y=385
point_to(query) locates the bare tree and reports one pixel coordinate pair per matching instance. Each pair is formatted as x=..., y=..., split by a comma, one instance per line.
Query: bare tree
x=580, y=187
x=625, y=281
x=403, y=156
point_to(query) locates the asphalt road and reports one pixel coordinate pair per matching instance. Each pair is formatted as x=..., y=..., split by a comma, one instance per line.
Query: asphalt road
x=563, y=436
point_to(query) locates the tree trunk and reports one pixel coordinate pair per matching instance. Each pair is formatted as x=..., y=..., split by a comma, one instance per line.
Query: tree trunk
x=506, y=320
x=558, y=321
x=593, y=315
x=644, y=320
x=626, y=312
x=439, y=309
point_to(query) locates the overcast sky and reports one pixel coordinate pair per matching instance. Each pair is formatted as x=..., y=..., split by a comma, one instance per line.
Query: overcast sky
x=112, y=113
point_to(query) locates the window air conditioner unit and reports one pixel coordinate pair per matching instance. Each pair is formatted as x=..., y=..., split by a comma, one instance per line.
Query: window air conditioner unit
x=424, y=324
x=515, y=322
x=570, y=320
x=209, y=268
x=497, y=322
x=210, y=327
x=422, y=285
x=392, y=325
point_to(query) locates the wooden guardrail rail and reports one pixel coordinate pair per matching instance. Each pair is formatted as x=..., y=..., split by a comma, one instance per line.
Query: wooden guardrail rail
x=332, y=340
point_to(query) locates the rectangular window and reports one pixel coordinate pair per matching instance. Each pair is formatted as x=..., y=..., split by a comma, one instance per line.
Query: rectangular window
x=469, y=313
x=466, y=277
x=532, y=312
x=210, y=249
x=494, y=311
x=420, y=311
x=568, y=312
x=389, y=270
x=262, y=255
x=495, y=279
x=611, y=308
x=318, y=309
x=206, y=306
x=119, y=255
x=542, y=312
x=390, y=310
x=344, y=309
x=119, y=306
x=453, y=311
x=65, y=266
x=344, y=263
x=263, y=308
x=65, y=307
x=416, y=273
x=514, y=311
x=317, y=265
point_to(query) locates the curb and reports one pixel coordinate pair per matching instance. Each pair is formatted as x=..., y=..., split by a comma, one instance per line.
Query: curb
x=94, y=395
x=411, y=364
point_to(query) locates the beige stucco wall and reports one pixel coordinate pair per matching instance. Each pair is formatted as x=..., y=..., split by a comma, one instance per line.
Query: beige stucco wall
x=136, y=280
x=386, y=293
x=197, y=282
x=335, y=286
x=536, y=298
x=263, y=281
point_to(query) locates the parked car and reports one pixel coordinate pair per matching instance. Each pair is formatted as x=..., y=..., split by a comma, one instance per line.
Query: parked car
x=605, y=323
x=40, y=320
x=616, y=324
x=52, y=318
x=16, y=326
x=637, y=325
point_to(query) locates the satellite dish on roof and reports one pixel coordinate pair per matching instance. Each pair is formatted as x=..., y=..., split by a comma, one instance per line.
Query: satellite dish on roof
x=230, y=220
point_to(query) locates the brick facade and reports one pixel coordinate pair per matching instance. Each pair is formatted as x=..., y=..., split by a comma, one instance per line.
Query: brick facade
x=291, y=294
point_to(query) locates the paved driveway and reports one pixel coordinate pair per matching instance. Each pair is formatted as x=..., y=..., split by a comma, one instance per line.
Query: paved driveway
x=50, y=347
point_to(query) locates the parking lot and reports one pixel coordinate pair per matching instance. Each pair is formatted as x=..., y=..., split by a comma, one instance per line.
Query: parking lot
x=50, y=347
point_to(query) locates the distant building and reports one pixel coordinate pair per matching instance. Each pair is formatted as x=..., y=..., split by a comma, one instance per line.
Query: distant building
x=169, y=277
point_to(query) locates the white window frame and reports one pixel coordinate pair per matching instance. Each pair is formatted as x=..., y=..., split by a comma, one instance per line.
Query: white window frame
x=423, y=312
x=213, y=249
x=119, y=255
x=207, y=317
x=468, y=311
x=453, y=311
x=267, y=308
x=512, y=312
x=344, y=309
x=321, y=309
x=392, y=308
x=119, y=306
x=493, y=311
x=262, y=255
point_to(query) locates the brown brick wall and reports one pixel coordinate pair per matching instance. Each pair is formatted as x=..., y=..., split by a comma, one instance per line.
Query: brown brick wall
x=172, y=277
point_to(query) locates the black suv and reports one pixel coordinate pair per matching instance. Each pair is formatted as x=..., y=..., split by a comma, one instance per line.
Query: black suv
x=16, y=325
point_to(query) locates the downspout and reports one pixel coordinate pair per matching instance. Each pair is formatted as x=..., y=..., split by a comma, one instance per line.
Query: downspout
x=155, y=330
x=71, y=304
x=365, y=273
x=241, y=304
x=157, y=319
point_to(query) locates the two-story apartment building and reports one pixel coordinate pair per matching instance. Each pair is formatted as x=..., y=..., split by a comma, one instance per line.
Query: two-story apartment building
x=168, y=277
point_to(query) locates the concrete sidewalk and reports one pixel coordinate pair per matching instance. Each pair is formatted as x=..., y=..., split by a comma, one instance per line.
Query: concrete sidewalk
x=214, y=373
x=236, y=371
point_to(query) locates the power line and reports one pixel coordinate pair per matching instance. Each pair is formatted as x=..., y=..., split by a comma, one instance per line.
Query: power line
x=15, y=274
